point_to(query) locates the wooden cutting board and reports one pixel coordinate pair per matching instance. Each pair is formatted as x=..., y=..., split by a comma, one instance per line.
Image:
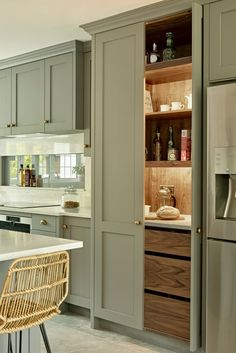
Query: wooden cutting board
x=154, y=218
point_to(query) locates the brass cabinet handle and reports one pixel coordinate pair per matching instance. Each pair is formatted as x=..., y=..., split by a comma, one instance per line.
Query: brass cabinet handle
x=198, y=230
x=65, y=226
x=46, y=121
x=87, y=146
x=13, y=125
x=137, y=222
x=43, y=221
x=8, y=125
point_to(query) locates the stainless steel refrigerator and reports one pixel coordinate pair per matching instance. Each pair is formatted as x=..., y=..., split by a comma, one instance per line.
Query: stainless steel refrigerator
x=221, y=219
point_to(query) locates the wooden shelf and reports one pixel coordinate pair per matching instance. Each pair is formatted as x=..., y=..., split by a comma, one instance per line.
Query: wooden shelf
x=169, y=71
x=172, y=114
x=168, y=164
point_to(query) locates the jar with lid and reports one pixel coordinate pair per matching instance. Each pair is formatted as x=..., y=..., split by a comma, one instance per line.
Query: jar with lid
x=70, y=198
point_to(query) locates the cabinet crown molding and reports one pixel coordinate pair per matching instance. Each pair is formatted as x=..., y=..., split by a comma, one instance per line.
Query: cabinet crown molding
x=62, y=48
x=144, y=13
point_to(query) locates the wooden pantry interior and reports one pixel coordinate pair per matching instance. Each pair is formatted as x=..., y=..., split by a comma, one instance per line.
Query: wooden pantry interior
x=167, y=259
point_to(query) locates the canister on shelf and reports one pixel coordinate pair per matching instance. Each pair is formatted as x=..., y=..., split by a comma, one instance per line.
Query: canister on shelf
x=70, y=198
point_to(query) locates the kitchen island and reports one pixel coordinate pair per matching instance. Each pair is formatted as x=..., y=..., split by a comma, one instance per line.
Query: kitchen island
x=14, y=245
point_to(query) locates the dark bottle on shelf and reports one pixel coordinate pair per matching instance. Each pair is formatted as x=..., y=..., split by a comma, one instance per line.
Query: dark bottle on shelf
x=169, y=51
x=157, y=146
x=27, y=175
x=172, y=152
x=154, y=56
x=33, y=176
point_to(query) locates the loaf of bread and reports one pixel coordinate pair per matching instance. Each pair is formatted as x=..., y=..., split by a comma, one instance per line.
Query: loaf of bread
x=168, y=212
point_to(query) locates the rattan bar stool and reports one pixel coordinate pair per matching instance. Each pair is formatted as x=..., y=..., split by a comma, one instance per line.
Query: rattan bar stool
x=33, y=290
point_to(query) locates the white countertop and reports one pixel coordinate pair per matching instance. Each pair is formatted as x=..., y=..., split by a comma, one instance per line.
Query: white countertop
x=183, y=223
x=83, y=212
x=16, y=244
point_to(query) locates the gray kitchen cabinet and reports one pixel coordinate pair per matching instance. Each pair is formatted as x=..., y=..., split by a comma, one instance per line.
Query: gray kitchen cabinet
x=118, y=163
x=87, y=103
x=119, y=173
x=79, y=284
x=222, y=28
x=5, y=102
x=46, y=225
x=46, y=91
x=28, y=98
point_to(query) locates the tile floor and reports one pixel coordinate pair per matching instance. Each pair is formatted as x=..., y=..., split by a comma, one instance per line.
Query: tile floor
x=71, y=333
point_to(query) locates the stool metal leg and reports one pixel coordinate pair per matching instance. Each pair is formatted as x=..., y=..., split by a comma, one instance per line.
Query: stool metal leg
x=45, y=338
x=10, y=350
x=20, y=342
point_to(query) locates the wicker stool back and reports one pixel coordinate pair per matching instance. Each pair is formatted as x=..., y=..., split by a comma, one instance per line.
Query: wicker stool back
x=33, y=290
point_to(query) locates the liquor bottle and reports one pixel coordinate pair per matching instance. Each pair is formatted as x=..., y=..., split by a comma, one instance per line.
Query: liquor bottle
x=169, y=51
x=154, y=56
x=33, y=176
x=172, y=153
x=21, y=176
x=27, y=175
x=157, y=146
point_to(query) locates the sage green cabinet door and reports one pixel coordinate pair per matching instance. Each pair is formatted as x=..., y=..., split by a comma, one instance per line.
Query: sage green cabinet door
x=5, y=102
x=222, y=41
x=58, y=93
x=28, y=98
x=118, y=174
x=79, y=283
x=87, y=104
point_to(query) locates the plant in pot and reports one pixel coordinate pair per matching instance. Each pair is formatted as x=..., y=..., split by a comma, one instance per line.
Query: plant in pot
x=79, y=170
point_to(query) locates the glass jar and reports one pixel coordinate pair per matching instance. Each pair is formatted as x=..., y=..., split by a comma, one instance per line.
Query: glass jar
x=169, y=51
x=70, y=198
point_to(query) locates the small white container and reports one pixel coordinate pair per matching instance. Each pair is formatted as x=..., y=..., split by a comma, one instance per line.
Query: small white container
x=147, y=210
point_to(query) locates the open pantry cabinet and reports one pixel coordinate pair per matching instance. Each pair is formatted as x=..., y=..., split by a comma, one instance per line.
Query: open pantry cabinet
x=119, y=174
x=169, y=81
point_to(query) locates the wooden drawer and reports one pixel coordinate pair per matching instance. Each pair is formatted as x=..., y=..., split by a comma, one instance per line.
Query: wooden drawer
x=167, y=315
x=167, y=242
x=166, y=275
x=44, y=223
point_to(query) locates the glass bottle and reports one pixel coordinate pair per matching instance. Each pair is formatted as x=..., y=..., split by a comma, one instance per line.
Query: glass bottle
x=154, y=56
x=27, y=175
x=172, y=153
x=21, y=176
x=157, y=146
x=70, y=198
x=169, y=51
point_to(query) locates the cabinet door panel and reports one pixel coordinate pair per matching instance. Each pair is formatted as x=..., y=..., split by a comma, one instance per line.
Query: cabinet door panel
x=59, y=93
x=28, y=98
x=79, y=284
x=118, y=174
x=222, y=48
x=5, y=101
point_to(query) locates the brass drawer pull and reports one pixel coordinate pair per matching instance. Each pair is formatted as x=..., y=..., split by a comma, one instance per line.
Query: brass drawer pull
x=137, y=222
x=44, y=222
x=46, y=121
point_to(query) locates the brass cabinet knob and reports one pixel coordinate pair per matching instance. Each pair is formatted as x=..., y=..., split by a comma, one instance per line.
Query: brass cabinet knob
x=65, y=226
x=43, y=221
x=87, y=146
x=8, y=125
x=13, y=125
x=198, y=230
x=46, y=121
x=137, y=222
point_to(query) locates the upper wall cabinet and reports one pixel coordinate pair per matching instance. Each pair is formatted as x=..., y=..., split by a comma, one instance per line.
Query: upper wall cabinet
x=43, y=95
x=5, y=100
x=222, y=49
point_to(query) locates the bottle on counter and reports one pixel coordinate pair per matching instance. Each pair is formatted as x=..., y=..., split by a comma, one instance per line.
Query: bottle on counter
x=27, y=175
x=172, y=152
x=154, y=56
x=157, y=146
x=33, y=176
x=39, y=181
x=21, y=176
